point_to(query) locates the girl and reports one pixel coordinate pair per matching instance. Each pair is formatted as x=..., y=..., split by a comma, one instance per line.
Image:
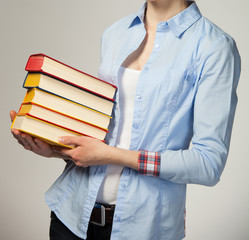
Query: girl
x=177, y=75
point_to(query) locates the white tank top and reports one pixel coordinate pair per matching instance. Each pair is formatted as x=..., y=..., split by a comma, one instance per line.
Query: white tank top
x=127, y=90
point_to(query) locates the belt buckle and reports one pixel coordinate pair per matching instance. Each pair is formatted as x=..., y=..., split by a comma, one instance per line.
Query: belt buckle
x=102, y=213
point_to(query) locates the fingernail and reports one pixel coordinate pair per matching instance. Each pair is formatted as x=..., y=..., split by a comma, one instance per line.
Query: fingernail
x=61, y=139
x=13, y=131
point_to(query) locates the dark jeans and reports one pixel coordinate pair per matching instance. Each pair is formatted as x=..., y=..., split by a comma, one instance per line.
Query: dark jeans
x=58, y=231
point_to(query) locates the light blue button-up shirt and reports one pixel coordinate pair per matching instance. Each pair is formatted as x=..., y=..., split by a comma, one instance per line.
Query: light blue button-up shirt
x=186, y=91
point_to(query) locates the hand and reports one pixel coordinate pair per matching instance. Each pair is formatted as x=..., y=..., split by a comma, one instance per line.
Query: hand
x=35, y=145
x=88, y=151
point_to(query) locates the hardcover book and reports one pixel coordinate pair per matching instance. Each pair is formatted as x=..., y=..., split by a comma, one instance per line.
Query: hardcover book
x=63, y=101
x=67, y=107
x=67, y=91
x=47, y=132
x=61, y=120
x=50, y=66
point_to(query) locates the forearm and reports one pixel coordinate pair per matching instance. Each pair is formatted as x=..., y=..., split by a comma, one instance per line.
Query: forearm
x=90, y=151
x=145, y=162
x=123, y=157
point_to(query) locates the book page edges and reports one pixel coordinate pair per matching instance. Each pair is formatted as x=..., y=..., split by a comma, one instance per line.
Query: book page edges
x=47, y=140
x=44, y=139
x=34, y=65
x=31, y=93
x=26, y=107
x=57, y=125
x=41, y=55
x=32, y=81
x=56, y=95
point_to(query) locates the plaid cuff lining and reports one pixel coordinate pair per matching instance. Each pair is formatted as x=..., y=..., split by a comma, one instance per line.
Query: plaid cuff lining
x=149, y=163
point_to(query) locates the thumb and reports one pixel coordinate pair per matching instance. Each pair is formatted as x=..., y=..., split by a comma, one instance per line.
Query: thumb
x=12, y=115
x=67, y=140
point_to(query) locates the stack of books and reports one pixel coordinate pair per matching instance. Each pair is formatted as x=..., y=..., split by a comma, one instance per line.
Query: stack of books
x=63, y=101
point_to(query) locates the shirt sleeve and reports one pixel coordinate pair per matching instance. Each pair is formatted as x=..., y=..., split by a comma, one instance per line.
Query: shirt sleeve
x=213, y=114
x=149, y=163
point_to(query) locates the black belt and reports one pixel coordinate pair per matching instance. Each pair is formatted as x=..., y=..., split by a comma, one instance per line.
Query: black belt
x=102, y=214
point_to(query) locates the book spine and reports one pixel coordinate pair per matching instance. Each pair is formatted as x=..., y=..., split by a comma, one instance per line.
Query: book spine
x=34, y=63
x=23, y=85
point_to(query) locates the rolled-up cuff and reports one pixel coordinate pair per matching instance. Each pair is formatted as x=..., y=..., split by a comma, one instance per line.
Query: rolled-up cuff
x=149, y=163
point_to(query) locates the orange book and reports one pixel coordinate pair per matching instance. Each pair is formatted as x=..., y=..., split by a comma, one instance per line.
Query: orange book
x=67, y=108
x=61, y=120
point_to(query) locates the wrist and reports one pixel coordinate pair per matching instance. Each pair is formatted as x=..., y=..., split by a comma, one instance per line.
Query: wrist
x=126, y=158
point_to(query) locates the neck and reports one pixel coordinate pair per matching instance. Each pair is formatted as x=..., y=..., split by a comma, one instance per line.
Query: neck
x=162, y=10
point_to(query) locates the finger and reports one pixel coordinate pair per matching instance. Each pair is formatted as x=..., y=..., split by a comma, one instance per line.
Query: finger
x=63, y=151
x=21, y=137
x=26, y=143
x=18, y=136
x=57, y=151
x=43, y=148
x=23, y=142
x=16, y=133
x=72, y=140
x=69, y=154
x=41, y=144
x=29, y=140
x=12, y=115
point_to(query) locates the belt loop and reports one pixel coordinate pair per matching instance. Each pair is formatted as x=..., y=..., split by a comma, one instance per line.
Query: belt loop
x=102, y=214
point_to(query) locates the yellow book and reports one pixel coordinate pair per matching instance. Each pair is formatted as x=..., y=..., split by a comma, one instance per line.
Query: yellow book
x=67, y=107
x=43, y=130
x=67, y=91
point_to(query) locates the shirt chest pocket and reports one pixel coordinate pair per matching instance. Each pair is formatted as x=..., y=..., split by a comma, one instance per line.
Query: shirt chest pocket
x=178, y=89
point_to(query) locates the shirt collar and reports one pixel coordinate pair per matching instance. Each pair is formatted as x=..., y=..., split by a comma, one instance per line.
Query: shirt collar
x=178, y=24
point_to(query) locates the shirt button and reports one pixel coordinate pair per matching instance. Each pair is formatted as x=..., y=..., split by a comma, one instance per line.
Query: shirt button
x=123, y=186
x=117, y=218
x=139, y=97
x=136, y=126
x=89, y=199
x=156, y=45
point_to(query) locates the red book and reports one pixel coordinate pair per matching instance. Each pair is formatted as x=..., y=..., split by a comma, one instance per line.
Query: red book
x=54, y=68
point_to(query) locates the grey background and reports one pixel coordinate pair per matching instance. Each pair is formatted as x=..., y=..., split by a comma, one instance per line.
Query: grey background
x=70, y=31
